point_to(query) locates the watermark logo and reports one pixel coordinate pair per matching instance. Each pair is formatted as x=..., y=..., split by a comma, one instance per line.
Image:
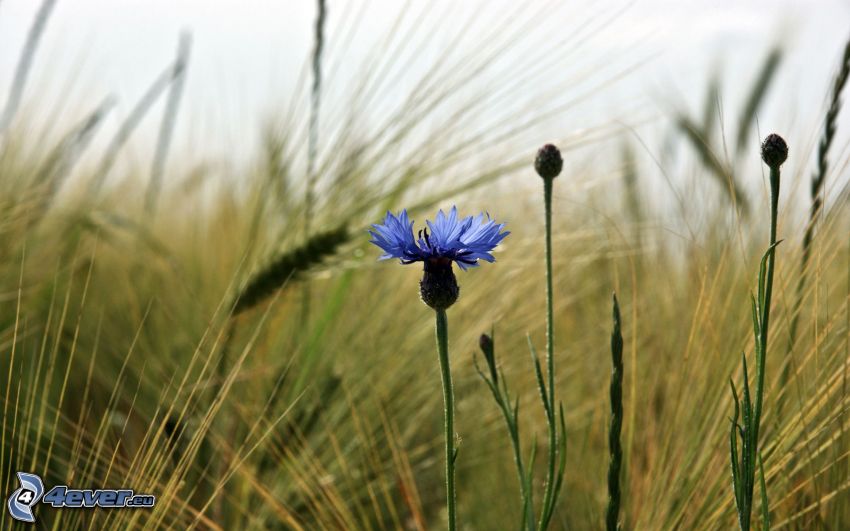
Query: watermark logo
x=27, y=495
x=31, y=492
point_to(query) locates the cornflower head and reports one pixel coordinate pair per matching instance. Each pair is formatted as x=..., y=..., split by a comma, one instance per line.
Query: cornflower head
x=445, y=240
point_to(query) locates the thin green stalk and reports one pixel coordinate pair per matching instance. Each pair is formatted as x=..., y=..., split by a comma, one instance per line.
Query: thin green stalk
x=745, y=467
x=548, y=495
x=525, y=493
x=765, y=310
x=548, y=510
x=548, y=165
x=503, y=399
x=442, y=329
x=615, y=449
x=550, y=341
x=513, y=430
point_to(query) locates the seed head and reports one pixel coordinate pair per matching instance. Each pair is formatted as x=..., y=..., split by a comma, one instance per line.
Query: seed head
x=774, y=150
x=548, y=162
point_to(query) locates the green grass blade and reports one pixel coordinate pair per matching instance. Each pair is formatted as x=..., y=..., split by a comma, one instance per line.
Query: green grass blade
x=541, y=384
x=765, y=508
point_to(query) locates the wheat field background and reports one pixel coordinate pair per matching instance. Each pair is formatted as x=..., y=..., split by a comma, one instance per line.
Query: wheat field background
x=127, y=358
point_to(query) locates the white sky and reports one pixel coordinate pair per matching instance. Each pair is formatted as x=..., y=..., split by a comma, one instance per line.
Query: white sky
x=247, y=56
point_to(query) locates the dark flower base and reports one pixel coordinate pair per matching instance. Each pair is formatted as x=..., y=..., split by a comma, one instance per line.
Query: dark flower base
x=438, y=287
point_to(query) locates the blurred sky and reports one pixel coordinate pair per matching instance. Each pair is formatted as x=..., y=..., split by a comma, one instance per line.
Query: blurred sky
x=248, y=54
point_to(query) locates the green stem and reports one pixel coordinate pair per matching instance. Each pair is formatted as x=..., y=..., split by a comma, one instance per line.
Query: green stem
x=547, y=198
x=513, y=430
x=503, y=400
x=548, y=495
x=442, y=327
x=765, y=312
x=751, y=442
x=527, y=502
x=527, y=508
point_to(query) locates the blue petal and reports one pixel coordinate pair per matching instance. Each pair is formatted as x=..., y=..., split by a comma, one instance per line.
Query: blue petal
x=395, y=238
x=465, y=241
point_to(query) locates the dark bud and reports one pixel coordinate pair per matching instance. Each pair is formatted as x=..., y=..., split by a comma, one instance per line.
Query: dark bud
x=438, y=287
x=548, y=162
x=774, y=150
x=486, y=344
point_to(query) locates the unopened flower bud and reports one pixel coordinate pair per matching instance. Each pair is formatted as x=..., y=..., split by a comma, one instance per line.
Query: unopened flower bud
x=774, y=150
x=487, y=347
x=548, y=162
x=486, y=344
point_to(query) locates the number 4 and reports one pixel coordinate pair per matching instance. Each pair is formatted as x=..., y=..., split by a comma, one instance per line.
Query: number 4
x=26, y=496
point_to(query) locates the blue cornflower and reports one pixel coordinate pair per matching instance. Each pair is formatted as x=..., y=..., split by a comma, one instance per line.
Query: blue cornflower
x=464, y=241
